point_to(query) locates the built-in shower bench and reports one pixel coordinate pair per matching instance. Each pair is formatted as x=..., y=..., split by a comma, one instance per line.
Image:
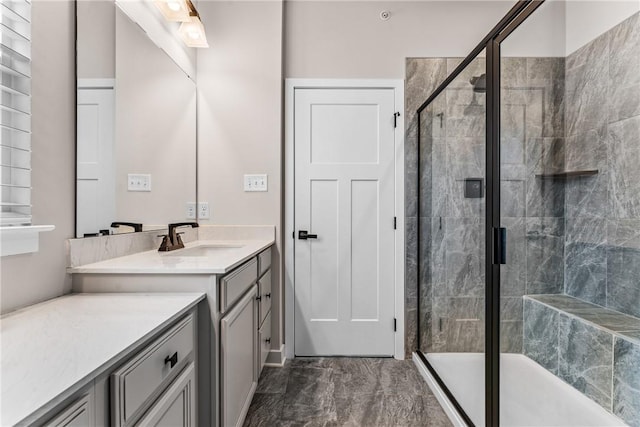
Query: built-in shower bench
x=609, y=320
x=594, y=349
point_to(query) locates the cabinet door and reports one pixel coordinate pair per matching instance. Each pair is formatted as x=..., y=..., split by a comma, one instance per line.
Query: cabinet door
x=238, y=333
x=78, y=414
x=177, y=405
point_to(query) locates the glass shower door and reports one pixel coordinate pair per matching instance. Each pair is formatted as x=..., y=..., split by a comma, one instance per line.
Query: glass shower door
x=452, y=255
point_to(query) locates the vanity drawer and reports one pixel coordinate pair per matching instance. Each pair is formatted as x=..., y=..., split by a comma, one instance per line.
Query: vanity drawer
x=264, y=261
x=141, y=379
x=264, y=335
x=236, y=283
x=264, y=291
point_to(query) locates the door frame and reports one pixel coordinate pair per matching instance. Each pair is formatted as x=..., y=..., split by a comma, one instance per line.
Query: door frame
x=397, y=85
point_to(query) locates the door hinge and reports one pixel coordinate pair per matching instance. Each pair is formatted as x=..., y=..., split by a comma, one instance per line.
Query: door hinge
x=395, y=223
x=395, y=325
x=395, y=119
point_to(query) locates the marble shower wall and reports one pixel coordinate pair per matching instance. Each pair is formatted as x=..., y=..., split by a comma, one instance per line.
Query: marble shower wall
x=422, y=78
x=451, y=312
x=602, y=115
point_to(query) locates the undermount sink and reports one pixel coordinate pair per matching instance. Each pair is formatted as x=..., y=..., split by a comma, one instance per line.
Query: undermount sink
x=204, y=250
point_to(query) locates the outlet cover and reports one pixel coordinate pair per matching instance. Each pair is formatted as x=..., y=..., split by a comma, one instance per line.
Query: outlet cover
x=203, y=210
x=138, y=182
x=255, y=182
x=190, y=212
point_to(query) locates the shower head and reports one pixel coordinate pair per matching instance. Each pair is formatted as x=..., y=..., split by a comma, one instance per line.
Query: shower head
x=479, y=83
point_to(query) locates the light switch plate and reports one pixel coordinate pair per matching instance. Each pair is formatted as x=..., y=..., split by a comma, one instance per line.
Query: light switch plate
x=138, y=182
x=190, y=212
x=256, y=182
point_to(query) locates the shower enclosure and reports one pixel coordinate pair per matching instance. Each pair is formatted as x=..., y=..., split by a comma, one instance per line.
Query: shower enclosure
x=528, y=220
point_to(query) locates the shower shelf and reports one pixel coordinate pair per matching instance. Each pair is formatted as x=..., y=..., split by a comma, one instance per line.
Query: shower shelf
x=567, y=174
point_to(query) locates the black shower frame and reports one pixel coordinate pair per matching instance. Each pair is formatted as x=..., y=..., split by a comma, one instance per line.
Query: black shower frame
x=512, y=20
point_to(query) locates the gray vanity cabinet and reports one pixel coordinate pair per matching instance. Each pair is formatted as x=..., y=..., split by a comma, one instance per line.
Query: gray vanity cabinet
x=238, y=332
x=234, y=341
x=264, y=309
x=152, y=386
x=176, y=407
x=146, y=379
x=77, y=414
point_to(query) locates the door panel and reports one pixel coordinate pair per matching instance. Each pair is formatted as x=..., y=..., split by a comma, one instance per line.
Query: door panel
x=344, y=194
x=323, y=254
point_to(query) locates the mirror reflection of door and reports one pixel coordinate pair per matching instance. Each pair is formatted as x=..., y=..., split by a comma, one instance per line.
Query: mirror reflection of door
x=95, y=180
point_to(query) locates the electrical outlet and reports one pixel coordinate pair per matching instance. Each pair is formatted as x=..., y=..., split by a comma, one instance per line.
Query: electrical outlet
x=255, y=182
x=190, y=210
x=203, y=210
x=138, y=182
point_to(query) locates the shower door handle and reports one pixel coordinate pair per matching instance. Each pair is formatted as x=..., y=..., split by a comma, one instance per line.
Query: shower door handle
x=500, y=245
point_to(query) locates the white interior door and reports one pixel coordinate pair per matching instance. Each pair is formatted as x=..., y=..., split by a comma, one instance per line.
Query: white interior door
x=344, y=195
x=96, y=191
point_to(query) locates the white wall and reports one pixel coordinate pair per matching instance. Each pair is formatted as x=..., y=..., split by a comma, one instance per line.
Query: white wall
x=31, y=278
x=347, y=39
x=96, y=39
x=541, y=35
x=586, y=20
x=239, y=119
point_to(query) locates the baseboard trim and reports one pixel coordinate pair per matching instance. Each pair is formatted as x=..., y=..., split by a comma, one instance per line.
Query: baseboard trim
x=444, y=401
x=276, y=358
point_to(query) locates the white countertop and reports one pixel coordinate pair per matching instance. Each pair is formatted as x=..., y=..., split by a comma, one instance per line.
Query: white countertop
x=154, y=262
x=51, y=350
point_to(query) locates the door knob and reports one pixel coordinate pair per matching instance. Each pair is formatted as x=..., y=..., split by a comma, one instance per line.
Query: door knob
x=304, y=235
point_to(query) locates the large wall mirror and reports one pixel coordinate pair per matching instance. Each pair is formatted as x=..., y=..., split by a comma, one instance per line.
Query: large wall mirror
x=136, y=123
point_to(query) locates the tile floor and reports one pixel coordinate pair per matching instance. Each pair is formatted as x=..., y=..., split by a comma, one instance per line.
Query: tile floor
x=344, y=392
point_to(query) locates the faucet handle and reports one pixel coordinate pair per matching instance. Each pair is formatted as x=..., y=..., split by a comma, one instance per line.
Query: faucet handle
x=164, y=246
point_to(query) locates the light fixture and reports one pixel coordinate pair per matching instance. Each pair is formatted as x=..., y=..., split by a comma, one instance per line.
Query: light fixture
x=192, y=33
x=191, y=29
x=174, y=10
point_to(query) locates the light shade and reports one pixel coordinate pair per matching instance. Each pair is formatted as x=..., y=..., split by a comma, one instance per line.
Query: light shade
x=174, y=10
x=192, y=33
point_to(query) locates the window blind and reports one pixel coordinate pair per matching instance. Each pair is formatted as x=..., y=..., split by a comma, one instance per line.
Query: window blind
x=15, y=110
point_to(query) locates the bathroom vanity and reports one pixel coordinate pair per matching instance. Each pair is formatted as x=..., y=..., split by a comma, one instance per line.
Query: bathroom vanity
x=235, y=275
x=99, y=360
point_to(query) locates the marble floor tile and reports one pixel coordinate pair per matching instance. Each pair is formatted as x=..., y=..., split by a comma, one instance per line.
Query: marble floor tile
x=273, y=380
x=309, y=395
x=395, y=410
x=265, y=410
x=328, y=392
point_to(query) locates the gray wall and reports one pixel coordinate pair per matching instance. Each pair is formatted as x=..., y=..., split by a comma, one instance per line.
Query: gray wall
x=602, y=253
x=31, y=278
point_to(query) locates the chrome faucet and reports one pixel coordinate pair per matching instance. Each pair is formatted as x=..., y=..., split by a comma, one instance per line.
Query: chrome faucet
x=173, y=241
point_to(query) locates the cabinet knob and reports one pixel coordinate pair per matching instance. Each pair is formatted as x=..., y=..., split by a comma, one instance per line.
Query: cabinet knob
x=172, y=360
x=268, y=340
x=259, y=298
x=268, y=295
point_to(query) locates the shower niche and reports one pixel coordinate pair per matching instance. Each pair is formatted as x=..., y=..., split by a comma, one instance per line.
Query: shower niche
x=528, y=219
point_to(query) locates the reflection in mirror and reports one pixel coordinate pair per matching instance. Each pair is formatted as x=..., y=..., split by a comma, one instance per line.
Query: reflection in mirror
x=136, y=126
